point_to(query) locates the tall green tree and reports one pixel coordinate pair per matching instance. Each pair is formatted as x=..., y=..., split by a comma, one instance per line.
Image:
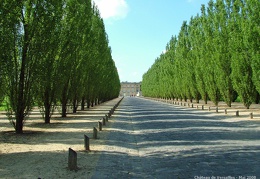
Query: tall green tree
x=200, y=50
x=241, y=58
x=222, y=53
x=194, y=57
x=252, y=32
x=71, y=39
x=210, y=54
x=47, y=83
x=23, y=26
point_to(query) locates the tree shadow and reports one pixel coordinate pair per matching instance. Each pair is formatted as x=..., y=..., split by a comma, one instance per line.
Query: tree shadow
x=156, y=140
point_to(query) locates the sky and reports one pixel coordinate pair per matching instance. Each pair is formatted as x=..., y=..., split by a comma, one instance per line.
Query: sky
x=139, y=30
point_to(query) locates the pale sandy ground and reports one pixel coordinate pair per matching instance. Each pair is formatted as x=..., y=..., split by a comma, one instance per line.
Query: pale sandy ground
x=244, y=114
x=42, y=151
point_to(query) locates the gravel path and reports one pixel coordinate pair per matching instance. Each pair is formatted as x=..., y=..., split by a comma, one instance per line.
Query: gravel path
x=149, y=139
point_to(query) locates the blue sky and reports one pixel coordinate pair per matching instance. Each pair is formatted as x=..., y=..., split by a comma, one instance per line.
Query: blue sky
x=138, y=30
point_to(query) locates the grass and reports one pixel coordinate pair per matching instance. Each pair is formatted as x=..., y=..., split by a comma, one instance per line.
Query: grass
x=2, y=106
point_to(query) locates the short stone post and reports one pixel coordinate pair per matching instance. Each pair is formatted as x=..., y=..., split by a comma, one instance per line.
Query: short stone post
x=106, y=118
x=95, y=133
x=100, y=126
x=191, y=105
x=216, y=109
x=209, y=108
x=251, y=115
x=237, y=113
x=103, y=121
x=225, y=111
x=72, y=161
x=86, y=142
x=202, y=107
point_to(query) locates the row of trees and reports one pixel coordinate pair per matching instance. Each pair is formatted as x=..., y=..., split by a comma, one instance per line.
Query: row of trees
x=216, y=56
x=53, y=52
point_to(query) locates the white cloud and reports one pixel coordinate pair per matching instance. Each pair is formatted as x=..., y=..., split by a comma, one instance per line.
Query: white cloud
x=116, y=9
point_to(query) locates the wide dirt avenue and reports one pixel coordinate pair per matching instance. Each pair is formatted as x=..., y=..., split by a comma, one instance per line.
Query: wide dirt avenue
x=143, y=139
x=150, y=139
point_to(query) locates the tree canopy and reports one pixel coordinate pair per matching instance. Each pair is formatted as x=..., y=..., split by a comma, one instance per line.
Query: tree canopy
x=215, y=56
x=53, y=52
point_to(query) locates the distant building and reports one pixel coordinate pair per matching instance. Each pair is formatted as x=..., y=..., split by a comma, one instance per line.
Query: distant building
x=130, y=89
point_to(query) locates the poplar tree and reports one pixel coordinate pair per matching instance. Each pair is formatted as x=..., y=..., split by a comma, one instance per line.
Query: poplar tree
x=47, y=47
x=210, y=55
x=194, y=56
x=252, y=30
x=222, y=53
x=241, y=58
x=182, y=63
x=200, y=67
x=47, y=83
x=21, y=72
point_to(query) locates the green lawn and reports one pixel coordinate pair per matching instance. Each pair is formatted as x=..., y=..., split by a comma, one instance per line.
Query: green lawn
x=2, y=106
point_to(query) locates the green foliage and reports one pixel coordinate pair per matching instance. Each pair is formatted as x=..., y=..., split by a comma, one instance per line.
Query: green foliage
x=53, y=52
x=216, y=56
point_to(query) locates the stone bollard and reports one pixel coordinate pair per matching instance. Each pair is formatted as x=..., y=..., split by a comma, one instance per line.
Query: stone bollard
x=202, y=107
x=209, y=108
x=72, y=161
x=103, y=121
x=225, y=111
x=216, y=109
x=100, y=126
x=197, y=107
x=106, y=118
x=191, y=105
x=237, y=113
x=95, y=133
x=251, y=115
x=86, y=142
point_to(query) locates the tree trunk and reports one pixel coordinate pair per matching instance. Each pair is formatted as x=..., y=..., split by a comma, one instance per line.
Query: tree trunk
x=206, y=99
x=257, y=99
x=47, y=112
x=82, y=103
x=64, y=109
x=64, y=100
x=19, y=123
x=47, y=107
x=75, y=105
x=197, y=98
x=64, y=104
x=229, y=101
x=21, y=94
x=88, y=103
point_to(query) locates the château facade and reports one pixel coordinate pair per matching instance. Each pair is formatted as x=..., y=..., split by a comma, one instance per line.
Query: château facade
x=130, y=89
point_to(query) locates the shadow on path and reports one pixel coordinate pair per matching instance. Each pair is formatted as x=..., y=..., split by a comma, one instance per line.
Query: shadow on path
x=149, y=139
